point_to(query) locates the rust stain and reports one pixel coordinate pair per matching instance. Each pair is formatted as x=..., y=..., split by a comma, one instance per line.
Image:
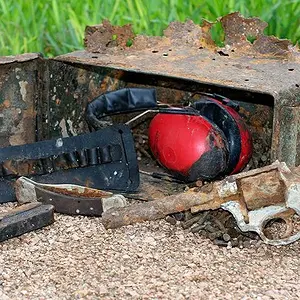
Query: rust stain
x=189, y=33
x=112, y=81
x=271, y=45
x=23, y=131
x=179, y=207
x=268, y=190
x=82, y=76
x=6, y=103
x=79, y=191
x=206, y=39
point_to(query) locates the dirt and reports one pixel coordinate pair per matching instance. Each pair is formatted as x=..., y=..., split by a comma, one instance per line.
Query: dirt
x=76, y=258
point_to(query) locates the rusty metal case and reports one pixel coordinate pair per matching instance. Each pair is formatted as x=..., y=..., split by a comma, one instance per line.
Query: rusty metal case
x=43, y=99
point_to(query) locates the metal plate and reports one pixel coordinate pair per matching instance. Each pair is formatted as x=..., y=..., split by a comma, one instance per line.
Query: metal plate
x=25, y=221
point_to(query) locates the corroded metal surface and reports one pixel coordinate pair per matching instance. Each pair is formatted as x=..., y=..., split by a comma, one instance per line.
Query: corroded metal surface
x=20, y=86
x=267, y=76
x=19, y=58
x=242, y=36
x=187, y=51
x=105, y=38
x=245, y=36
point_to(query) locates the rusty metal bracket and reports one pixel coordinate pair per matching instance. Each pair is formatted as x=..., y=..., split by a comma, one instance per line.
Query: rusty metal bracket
x=68, y=198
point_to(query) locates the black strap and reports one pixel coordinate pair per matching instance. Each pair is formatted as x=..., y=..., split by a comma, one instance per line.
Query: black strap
x=13, y=168
x=224, y=100
x=120, y=101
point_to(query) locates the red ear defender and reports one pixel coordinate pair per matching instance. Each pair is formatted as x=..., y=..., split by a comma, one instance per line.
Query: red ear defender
x=189, y=146
x=213, y=143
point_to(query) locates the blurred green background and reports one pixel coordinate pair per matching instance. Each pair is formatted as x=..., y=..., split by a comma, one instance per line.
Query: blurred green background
x=54, y=27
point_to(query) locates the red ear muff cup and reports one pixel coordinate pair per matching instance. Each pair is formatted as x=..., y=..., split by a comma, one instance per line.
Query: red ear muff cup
x=237, y=135
x=189, y=146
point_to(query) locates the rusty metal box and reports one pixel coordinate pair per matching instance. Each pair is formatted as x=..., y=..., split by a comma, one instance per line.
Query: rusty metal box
x=46, y=98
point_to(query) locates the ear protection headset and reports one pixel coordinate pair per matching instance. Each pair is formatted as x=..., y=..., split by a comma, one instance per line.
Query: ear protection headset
x=212, y=143
x=206, y=140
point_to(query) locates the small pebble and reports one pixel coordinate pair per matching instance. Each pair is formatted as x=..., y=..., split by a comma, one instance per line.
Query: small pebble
x=171, y=220
x=226, y=237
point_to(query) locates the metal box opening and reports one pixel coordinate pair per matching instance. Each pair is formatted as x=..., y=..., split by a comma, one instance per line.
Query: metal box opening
x=71, y=86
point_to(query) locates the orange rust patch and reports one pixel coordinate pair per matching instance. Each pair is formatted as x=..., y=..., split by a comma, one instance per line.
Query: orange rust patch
x=180, y=207
x=6, y=103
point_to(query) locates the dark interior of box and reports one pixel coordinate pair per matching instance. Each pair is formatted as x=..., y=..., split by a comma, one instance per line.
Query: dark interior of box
x=72, y=86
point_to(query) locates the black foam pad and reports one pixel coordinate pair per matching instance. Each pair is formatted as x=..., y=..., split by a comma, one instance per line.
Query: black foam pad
x=217, y=114
x=119, y=101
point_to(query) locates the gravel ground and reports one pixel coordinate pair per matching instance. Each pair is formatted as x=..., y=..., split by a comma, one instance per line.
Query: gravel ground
x=76, y=258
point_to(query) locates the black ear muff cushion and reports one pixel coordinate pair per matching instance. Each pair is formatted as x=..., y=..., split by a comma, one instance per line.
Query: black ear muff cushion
x=119, y=101
x=219, y=115
x=211, y=164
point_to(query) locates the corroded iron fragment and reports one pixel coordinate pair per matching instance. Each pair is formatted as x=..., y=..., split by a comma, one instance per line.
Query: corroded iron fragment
x=189, y=34
x=105, y=36
x=242, y=37
x=245, y=37
x=273, y=46
x=276, y=185
x=237, y=29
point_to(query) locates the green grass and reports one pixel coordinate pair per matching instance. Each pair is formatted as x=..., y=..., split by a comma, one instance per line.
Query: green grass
x=54, y=27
